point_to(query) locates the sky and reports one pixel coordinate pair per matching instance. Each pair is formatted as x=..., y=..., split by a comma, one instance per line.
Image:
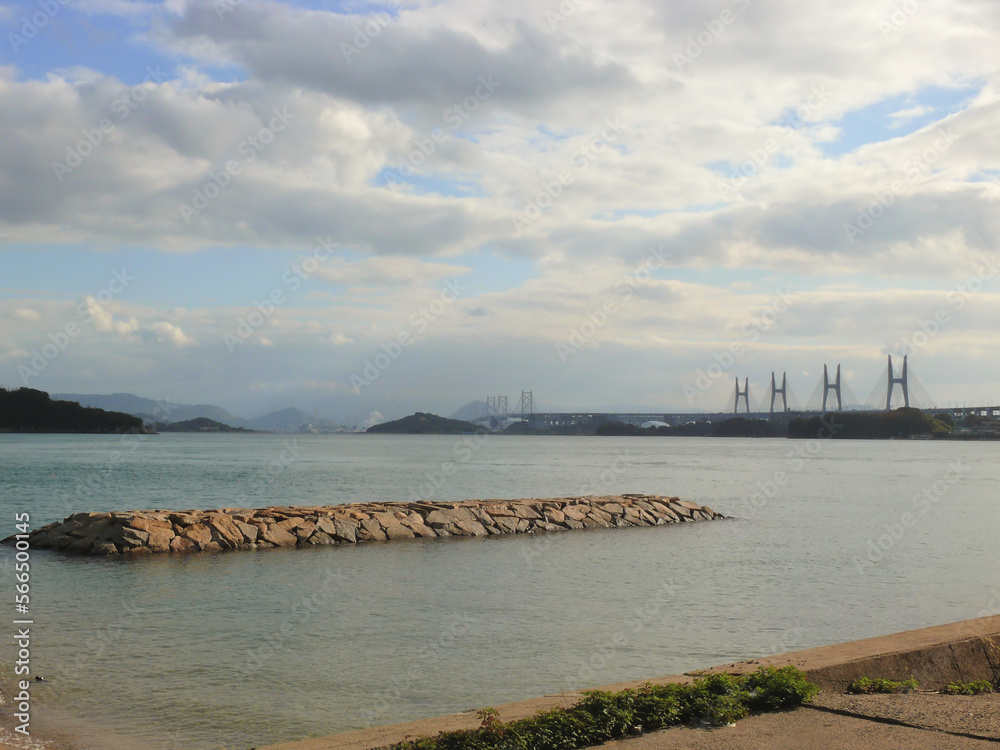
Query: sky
x=359, y=208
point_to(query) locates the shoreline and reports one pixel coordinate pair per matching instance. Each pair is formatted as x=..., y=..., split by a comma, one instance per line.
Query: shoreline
x=934, y=655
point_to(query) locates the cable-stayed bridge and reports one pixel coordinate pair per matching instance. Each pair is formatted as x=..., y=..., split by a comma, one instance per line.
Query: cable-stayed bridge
x=898, y=386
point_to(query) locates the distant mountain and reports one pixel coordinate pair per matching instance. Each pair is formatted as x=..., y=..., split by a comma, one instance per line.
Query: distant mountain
x=425, y=424
x=472, y=410
x=28, y=410
x=198, y=424
x=148, y=408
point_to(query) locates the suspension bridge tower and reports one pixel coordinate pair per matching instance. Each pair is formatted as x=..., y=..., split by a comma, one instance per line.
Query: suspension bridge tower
x=834, y=386
x=783, y=391
x=902, y=380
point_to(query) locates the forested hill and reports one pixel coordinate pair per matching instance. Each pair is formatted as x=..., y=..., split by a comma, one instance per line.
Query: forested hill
x=28, y=410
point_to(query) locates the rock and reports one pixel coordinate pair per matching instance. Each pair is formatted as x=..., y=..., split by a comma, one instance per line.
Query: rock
x=159, y=539
x=373, y=530
x=290, y=523
x=556, y=516
x=105, y=548
x=398, y=531
x=613, y=508
x=345, y=531
x=321, y=537
x=134, y=537
x=279, y=536
x=599, y=515
x=211, y=547
x=182, y=544
x=506, y=524
x=80, y=546
x=473, y=528
x=198, y=533
x=225, y=527
x=385, y=519
x=574, y=524
x=576, y=512
x=305, y=530
x=145, y=524
x=526, y=511
x=423, y=531
x=249, y=532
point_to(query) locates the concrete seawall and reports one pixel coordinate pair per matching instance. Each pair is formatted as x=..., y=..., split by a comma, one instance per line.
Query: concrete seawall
x=136, y=533
x=914, y=653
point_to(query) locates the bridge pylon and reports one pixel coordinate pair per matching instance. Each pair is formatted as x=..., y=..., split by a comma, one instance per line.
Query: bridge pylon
x=834, y=386
x=783, y=391
x=527, y=405
x=745, y=394
x=902, y=380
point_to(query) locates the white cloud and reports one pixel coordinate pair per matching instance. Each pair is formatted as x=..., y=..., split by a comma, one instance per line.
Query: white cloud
x=168, y=333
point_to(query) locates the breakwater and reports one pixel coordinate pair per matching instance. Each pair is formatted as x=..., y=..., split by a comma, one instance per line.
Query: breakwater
x=134, y=533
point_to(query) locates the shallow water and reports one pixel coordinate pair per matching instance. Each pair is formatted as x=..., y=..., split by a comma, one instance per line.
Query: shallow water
x=250, y=648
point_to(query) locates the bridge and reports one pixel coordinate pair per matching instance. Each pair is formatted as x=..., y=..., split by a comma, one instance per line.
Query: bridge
x=831, y=395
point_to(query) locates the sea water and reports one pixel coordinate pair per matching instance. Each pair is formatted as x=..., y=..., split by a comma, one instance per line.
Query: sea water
x=827, y=542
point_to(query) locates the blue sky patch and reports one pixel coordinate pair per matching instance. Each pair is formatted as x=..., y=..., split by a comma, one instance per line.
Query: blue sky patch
x=896, y=117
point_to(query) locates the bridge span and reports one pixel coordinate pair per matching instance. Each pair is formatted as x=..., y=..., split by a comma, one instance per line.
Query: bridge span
x=550, y=420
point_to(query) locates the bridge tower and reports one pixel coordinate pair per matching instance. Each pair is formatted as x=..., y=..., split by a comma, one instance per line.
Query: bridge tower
x=491, y=406
x=902, y=380
x=834, y=386
x=745, y=394
x=783, y=391
x=527, y=405
x=501, y=406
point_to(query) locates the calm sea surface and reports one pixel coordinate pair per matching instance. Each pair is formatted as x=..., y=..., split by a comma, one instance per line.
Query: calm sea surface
x=828, y=542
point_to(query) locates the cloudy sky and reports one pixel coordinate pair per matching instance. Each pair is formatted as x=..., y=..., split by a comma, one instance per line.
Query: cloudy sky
x=406, y=206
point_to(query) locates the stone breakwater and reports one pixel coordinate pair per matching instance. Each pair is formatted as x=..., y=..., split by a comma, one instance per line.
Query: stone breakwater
x=135, y=533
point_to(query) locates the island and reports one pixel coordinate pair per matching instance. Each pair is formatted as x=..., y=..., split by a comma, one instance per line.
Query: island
x=422, y=423
x=198, y=424
x=30, y=410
